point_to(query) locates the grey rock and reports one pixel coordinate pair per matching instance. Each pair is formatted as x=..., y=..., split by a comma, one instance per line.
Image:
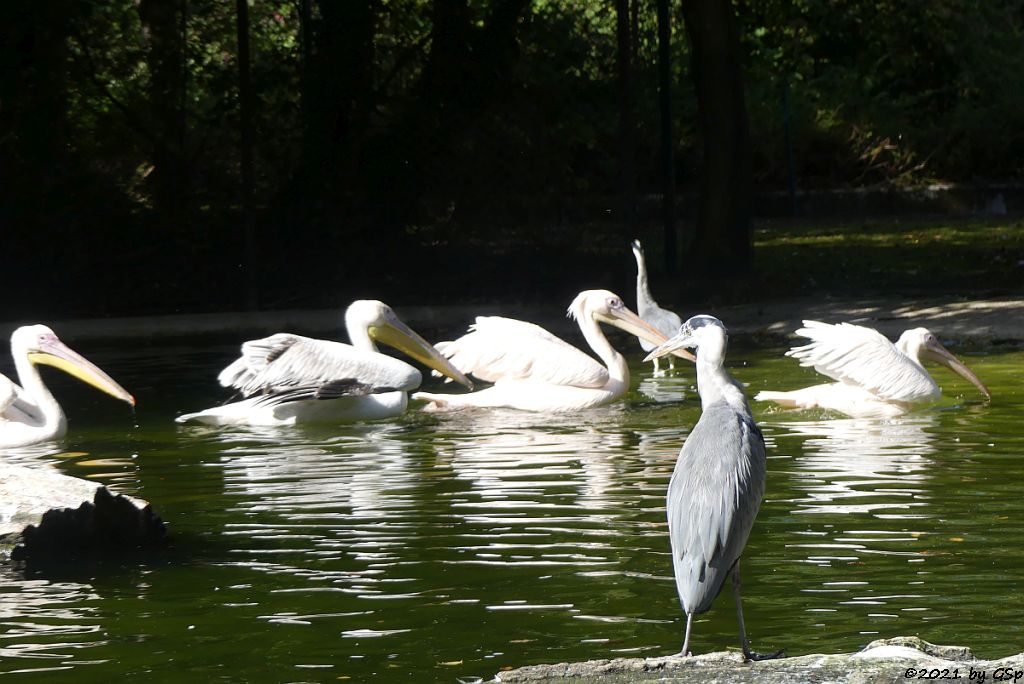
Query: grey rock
x=47, y=515
x=900, y=659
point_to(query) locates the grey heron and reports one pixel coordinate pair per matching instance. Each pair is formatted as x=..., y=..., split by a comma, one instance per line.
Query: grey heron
x=874, y=377
x=663, y=320
x=29, y=413
x=290, y=379
x=718, y=481
x=533, y=370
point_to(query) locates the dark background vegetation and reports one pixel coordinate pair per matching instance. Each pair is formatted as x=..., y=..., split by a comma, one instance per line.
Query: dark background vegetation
x=176, y=155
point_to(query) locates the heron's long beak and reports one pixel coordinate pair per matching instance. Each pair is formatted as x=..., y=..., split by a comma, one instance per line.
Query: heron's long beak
x=680, y=341
x=400, y=336
x=57, y=354
x=936, y=352
x=624, y=319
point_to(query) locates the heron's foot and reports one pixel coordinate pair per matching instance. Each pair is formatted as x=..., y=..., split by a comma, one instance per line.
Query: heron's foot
x=755, y=656
x=685, y=654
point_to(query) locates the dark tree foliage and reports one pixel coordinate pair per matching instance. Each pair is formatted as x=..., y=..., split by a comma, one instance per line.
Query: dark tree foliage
x=443, y=149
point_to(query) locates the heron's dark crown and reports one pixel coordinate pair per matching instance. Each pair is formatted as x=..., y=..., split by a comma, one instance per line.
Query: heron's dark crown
x=701, y=321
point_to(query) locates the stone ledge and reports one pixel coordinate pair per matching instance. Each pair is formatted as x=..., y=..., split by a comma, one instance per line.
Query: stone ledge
x=884, y=660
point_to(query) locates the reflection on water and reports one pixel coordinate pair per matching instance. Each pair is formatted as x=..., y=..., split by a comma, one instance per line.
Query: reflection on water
x=44, y=455
x=44, y=621
x=512, y=461
x=448, y=546
x=861, y=465
x=676, y=386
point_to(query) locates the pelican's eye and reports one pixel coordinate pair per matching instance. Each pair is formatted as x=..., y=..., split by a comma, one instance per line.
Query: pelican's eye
x=614, y=303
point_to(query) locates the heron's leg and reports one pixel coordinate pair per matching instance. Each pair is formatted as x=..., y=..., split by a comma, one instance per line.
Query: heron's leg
x=686, y=639
x=672, y=362
x=656, y=371
x=747, y=653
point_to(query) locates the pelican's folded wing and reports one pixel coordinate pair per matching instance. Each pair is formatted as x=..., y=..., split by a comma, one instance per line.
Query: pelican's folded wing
x=14, y=405
x=860, y=356
x=284, y=362
x=499, y=348
x=8, y=394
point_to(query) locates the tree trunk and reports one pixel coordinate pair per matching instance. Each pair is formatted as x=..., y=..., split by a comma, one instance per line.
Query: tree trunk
x=468, y=66
x=340, y=91
x=163, y=23
x=668, y=174
x=722, y=243
x=627, y=127
x=248, y=179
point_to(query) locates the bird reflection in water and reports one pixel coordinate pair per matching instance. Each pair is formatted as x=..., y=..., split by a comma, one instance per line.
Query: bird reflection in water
x=861, y=465
x=534, y=458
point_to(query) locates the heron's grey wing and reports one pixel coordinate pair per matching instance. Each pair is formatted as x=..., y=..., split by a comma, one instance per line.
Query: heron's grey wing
x=285, y=362
x=713, y=498
x=664, y=321
x=862, y=357
x=498, y=348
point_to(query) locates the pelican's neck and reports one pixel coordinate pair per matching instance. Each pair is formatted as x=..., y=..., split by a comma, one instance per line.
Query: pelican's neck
x=359, y=336
x=49, y=412
x=714, y=384
x=618, y=369
x=910, y=346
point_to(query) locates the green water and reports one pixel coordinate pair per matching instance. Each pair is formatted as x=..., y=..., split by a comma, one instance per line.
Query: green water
x=445, y=548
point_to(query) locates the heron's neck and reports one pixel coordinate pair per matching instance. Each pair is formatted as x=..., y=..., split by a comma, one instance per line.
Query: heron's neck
x=643, y=293
x=716, y=385
x=47, y=409
x=618, y=369
x=359, y=337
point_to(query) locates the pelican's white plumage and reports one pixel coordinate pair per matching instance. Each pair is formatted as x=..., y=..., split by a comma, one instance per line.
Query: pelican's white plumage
x=285, y=362
x=289, y=379
x=498, y=348
x=533, y=370
x=29, y=413
x=874, y=377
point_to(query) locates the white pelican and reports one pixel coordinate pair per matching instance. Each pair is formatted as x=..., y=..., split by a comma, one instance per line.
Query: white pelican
x=875, y=378
x=663, y=320
x=290, y=379
x=532, y=370
x=29, y=413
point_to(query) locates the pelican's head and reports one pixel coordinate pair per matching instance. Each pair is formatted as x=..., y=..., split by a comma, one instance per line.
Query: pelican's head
x=40, y=345
x=705, y=333
x=378, y=322
x=607, y=307
x=921, y=343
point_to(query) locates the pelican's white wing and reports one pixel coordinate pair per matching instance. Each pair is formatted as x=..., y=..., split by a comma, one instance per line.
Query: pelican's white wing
x=284, y=362
x=499, y=348
x=8, y=394
x=863, y=357
x=14, y=405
